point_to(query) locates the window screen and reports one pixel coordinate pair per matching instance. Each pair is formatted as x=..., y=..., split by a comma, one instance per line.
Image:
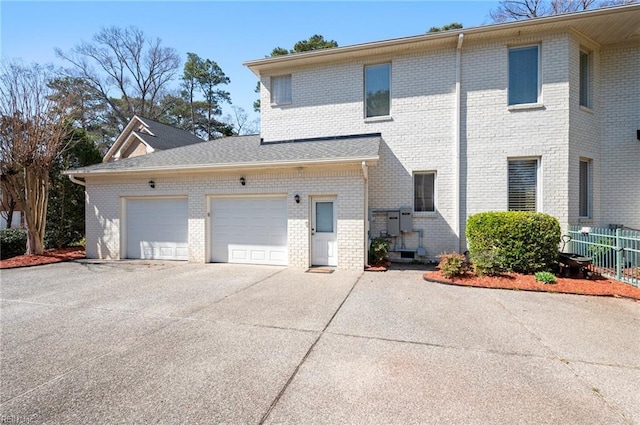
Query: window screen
x=424, y=192
x=523, y=75
x=281, y=89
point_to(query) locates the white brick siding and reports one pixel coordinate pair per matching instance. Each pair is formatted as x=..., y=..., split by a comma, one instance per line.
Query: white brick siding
x=419, y=136
x=620, y=112
x=104, y=200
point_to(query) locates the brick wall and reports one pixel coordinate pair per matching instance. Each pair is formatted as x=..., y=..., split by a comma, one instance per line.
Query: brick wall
x=419, y=135
x=105, y=201
x=620, y=111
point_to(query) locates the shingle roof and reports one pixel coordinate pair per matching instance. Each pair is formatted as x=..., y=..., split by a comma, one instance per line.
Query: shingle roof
x=165, y=136
x=246, y=151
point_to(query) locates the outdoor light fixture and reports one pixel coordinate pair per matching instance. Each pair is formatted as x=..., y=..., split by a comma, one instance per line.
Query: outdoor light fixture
x=152, y=184
x=243, y=181
x=297, y=199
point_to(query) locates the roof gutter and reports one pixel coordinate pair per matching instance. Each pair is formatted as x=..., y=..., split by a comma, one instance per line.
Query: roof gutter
x=256, y=65
x=76, y=180
x=222, y=167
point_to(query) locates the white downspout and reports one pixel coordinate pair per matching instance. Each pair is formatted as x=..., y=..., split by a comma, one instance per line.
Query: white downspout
x=456, y=157
x=77, y=180
x=365, y=175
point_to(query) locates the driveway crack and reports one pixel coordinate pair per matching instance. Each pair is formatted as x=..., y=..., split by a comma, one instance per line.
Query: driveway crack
x=611, y=404
x=306, y=356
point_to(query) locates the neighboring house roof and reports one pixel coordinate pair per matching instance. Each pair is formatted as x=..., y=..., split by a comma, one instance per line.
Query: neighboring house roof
x=246, y=152
x=155, y=135
x=598, y=27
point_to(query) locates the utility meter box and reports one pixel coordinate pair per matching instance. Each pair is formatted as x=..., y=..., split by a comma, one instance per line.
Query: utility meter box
x=393, y=223
x=406, y=221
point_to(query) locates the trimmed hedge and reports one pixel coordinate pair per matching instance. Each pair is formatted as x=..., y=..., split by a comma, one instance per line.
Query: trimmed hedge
x=13, y=242
x=512, y=241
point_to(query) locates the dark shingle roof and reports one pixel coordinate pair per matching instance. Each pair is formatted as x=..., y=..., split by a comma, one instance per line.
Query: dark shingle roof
x=165, y=136
x=246, y=151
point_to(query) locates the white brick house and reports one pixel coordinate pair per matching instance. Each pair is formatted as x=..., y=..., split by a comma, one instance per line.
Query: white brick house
x=542, y=114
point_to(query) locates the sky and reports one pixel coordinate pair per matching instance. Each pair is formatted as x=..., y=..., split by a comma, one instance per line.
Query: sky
x=227, y=32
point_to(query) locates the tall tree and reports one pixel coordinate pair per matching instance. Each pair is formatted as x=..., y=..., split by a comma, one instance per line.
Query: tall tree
x=448, y=27
x=202, y=78
x=315, y=42
x=516, y=10
x=33, y=132
x=129, y=72
x=91, y=113
x=65, y=212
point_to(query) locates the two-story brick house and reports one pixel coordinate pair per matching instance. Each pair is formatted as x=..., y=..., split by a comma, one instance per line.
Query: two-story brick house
x=537, y=115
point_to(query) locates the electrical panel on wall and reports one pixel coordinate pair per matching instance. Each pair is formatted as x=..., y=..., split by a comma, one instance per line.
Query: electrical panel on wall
x=406, y=221
x=393, y=223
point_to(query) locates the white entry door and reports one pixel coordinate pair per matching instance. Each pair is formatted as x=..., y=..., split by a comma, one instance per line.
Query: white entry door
x=324, y=240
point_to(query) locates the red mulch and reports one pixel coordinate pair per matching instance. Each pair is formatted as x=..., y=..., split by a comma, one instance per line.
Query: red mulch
x=597, y=285
x=49, y=256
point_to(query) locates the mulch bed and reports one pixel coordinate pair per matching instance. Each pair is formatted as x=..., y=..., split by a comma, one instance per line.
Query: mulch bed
x=49, y=256
x=597, y=285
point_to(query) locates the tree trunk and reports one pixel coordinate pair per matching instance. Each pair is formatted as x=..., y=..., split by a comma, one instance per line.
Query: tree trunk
x=10, y=217
x=35, y=208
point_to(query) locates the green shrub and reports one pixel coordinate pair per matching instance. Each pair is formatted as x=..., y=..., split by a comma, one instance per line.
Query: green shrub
x=13, y=242
x=513, y=241
x=453, y=264
x=378, y=250
x=484, y=263
x=545, y=277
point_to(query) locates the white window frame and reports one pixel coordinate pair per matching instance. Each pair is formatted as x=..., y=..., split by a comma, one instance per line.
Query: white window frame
x=538, y=100
x=364, y=90
x=588, y=189
x=538, y=178
x=275, y=101
x=435, y=191
x=587, y=86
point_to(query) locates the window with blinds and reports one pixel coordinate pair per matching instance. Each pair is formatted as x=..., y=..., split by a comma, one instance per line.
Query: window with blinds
x=281, y=90
x=523, y=184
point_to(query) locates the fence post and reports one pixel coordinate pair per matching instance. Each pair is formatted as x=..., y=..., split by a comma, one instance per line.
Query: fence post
x=618, y=255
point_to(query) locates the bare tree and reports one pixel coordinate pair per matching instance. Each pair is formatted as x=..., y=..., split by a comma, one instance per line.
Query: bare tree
x=130, y=72
x=239, y=122
x=33, y=132
x=515, y=10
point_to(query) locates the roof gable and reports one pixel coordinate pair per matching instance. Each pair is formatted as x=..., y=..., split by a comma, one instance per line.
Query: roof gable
x=155, y=135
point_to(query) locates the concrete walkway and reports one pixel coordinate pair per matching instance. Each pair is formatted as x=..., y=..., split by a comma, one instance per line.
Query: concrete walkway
x=178, y=343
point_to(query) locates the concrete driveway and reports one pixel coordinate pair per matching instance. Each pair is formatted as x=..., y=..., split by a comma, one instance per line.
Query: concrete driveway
x=180, y=343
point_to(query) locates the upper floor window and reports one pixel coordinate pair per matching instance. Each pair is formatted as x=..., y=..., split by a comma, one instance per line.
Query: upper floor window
x=585, y=188
x=523, y=184
x=281, y=90
x=524, y=82
x=585, y=79
x=377, y=89
x=424, y=191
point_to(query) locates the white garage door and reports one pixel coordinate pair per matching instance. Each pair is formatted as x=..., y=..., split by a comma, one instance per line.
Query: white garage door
x=157, y=229
x=249, y=230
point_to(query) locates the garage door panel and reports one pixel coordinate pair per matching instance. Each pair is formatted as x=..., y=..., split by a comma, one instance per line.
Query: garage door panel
x=249, y=231
x=157, y=229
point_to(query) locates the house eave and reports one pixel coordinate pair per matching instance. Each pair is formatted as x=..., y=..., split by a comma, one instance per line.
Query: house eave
x=596, y=25
x=203, y=168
